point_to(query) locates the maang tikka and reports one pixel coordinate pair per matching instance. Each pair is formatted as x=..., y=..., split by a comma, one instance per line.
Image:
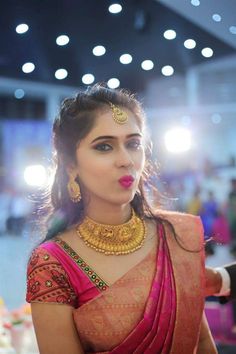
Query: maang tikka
x=118, y=114
x=73, y=188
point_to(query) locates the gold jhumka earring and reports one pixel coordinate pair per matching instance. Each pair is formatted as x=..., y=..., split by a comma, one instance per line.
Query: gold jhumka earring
x=73, y=189
x=118, y=114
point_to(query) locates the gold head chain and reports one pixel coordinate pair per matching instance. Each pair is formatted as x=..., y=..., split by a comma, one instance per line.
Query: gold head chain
x=118, y=114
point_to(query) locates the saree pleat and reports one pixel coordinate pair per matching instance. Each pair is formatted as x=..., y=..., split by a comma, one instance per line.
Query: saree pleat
x=154, y=332
x=167, y=315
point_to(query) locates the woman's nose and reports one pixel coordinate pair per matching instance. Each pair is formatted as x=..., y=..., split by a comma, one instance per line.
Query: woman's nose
x=124, y=158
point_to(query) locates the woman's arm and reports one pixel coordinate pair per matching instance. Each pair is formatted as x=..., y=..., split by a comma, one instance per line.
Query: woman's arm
x=206, y=343
x=55, y=329
x=213, y=282
x=220, y=281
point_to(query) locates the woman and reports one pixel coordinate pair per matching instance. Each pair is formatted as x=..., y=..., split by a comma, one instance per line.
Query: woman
x=113, y=275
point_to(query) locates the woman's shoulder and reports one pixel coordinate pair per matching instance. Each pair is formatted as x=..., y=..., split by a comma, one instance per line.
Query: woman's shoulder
x=41, y=249
x=176, y=217
x=47, y=280
x=188, y=227
x=43, y=253
x=40, y=256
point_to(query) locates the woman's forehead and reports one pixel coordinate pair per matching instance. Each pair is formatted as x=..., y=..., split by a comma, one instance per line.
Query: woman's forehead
x=105, y=124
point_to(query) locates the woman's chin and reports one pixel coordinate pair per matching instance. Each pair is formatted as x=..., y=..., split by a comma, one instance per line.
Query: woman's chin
x=125, y=199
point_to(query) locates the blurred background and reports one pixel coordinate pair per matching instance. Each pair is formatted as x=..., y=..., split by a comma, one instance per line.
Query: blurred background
x=179, y=57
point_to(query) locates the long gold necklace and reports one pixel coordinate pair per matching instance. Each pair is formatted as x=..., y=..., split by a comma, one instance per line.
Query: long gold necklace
x=113, y=239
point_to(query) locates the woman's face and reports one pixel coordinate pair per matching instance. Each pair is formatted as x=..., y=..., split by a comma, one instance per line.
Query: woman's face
x=110, y=160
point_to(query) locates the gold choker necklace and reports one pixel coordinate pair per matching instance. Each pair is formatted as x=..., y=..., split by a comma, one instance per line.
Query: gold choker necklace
x=113, y=239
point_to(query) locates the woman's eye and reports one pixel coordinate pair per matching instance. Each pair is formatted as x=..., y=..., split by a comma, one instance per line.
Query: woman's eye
x=134, y=144
x=103, y=147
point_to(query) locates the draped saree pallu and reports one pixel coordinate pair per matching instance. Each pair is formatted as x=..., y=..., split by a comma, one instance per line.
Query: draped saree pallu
x=170, y=320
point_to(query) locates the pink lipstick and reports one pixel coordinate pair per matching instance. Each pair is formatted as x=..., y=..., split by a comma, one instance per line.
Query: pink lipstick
x=126, y=181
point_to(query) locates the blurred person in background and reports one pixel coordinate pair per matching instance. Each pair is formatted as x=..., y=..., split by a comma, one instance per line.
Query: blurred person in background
x=195, y=204
x=208, y=214
x=220, y=228
x=19, y=210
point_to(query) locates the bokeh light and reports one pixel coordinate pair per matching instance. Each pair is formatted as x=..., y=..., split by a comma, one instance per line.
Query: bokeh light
x=35, y=175
x=61, y=74
x=147, y=65
x=178, y=140
x=115, y=8
x=28, y=67
x=113, y=83
x=99, y=50
x=62, y=40
x=22, y=28
x=88, y=79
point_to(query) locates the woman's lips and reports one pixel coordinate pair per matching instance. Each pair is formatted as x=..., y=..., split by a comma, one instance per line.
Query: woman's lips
x=126, y=181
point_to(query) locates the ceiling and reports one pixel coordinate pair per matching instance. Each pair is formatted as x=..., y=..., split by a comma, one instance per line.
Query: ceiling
x=202, y=16
x=137, y=30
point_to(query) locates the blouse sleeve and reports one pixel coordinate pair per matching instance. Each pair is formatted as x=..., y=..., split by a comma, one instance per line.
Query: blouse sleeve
x=47, y=281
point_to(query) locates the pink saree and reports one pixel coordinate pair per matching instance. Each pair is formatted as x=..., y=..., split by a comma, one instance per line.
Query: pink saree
x=134, y=315
x=155, y=308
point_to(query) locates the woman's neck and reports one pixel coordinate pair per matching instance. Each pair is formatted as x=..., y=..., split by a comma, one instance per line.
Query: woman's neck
x=110, y=215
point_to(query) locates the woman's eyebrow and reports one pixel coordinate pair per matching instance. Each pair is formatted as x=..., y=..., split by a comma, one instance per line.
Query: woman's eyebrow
x=110, y=137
